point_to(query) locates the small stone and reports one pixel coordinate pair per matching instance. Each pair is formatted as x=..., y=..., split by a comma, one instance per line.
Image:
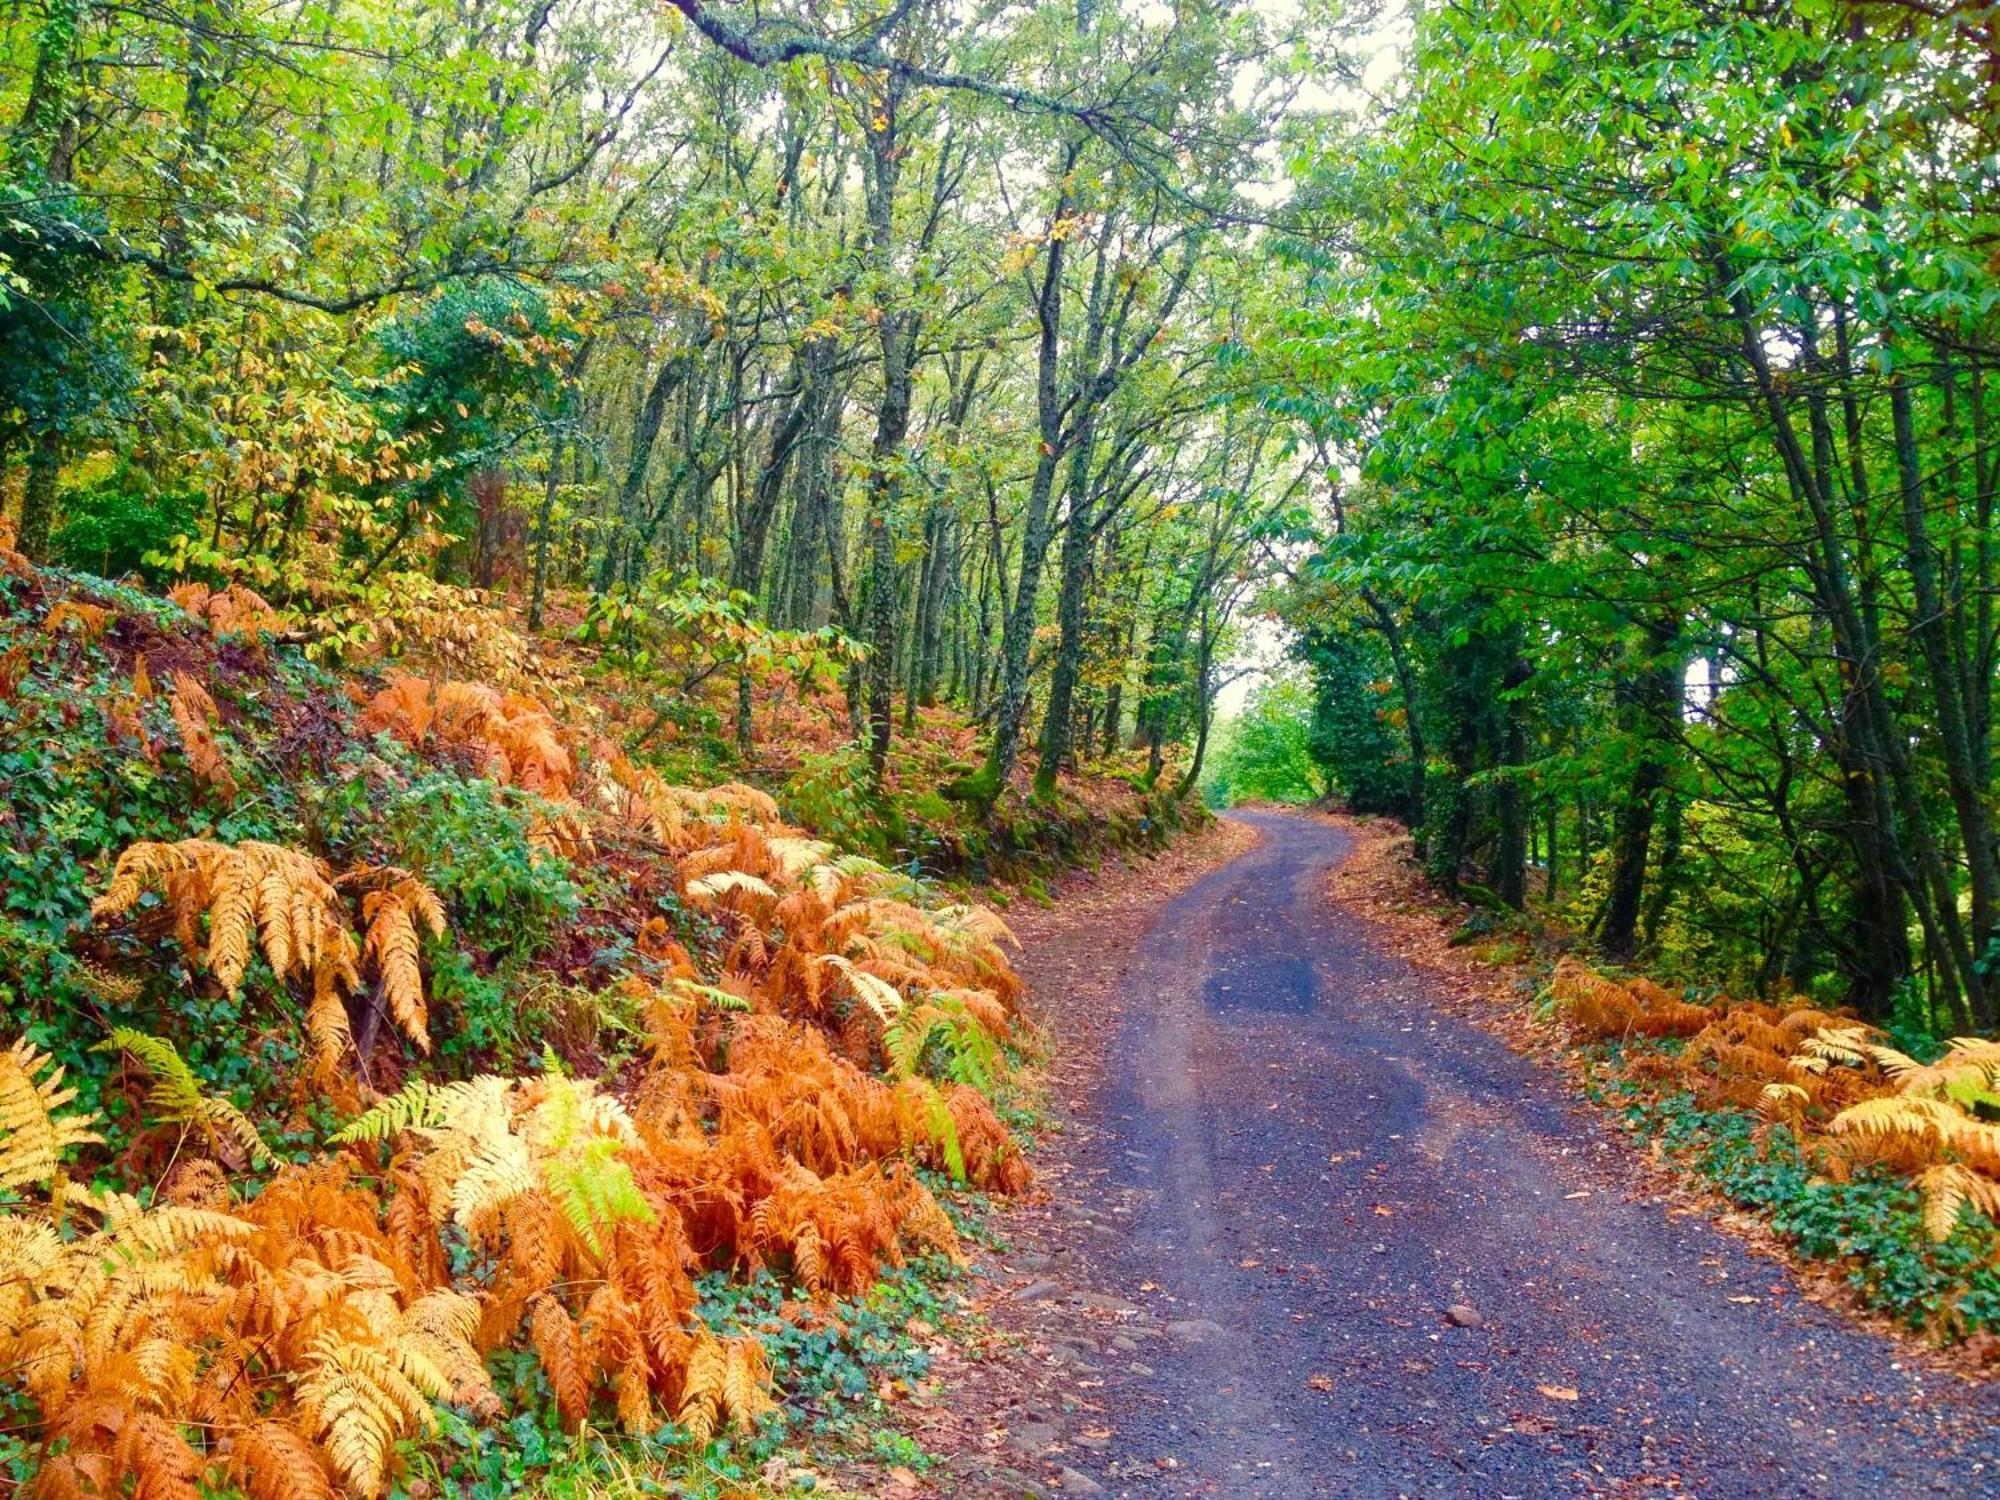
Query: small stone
x=1194, y=1330
x=1138, y=1368
x=1034, y=1261
x=1459, y=1315
x=1038, y=1291
x=1076, y=1482
x=1104, y=1303
x=1033, y=1439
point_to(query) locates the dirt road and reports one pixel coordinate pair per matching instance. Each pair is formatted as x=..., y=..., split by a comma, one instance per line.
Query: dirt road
x=1345, y=1244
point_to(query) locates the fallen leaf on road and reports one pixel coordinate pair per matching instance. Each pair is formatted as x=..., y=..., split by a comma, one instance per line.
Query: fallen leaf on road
x=1558, y=1392
x=1320, y=1382
x=1742, y=1299
x=1249, y=1263
x=1384, y=1211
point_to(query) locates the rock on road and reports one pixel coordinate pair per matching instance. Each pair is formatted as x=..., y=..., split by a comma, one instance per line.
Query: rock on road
x=1382, y=1255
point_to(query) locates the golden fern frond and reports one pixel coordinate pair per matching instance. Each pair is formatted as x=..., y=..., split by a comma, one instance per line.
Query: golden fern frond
x=745, y=1382
x=1839, y=1044
x=195, y=715
x=31, y=1262
x=500, y=1171
x=134, y=1232
x=559, y=1346
x=146, y=866
x=327, y=1028
x=880, y=996
x=73, y=1475
x=177, y=1096
x=250, y=892
x=357, y=1400
x=192, y=596
x=1899, y=1114
x=393, y=914
x=34, y=1133
x=977, y=921
x=272, y=1460
x=795, y=857
x=90, y=620
x=162, y=1464
x=735, y=796
x=703, y=1387
x=730, y=882
x=441, y=1326
x=1947, y=1188
x=1783, y=1101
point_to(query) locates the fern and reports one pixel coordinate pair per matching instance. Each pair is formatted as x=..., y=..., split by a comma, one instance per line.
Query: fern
x=252, y=891
x=396, y=908
x=357, y=1400
x=195, y=715
x=596, y=1190
x=1948, y=1188
x=177, y=1096
x=90, y=620
x=273, y=1460
x=422, y=1105
x=730, y=883
x=560, y=1348
x=704, y=1386
x=881, y=997
x=34, y=1133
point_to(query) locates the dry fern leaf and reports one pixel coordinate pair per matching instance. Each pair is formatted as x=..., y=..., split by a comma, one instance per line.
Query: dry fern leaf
x=730, y=882
x=396, y=908
x=90, y=620
x=34, y=1133
x=704, y=1385
x=880, y=996
x=253, y=890
x=1947, y=1189
x=195, y=716
x=272, y=1460
x=358, y=1399
x=559, y=1346
x=1783, y=1101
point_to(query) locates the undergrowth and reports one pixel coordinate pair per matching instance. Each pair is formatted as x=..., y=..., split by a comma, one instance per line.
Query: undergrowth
x=411, y=1088
x=1880, y=1161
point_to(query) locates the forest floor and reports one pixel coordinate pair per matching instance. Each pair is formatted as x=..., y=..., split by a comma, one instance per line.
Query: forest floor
x=1307, y=1229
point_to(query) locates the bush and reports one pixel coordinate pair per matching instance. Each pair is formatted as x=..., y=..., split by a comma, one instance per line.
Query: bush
x=470, y=842
x=110, y=525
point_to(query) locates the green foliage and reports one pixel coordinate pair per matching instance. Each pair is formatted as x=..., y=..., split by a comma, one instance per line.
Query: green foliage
x=472, y=843
x=1639, y=340
x=113, y=524
x=1356, y=714
x=828, y=793
x=1267, y=752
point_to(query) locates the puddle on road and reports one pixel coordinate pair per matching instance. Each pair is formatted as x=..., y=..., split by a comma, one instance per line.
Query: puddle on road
x=1284, y=985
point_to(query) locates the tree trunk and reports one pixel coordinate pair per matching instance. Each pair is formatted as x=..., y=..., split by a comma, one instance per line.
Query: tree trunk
x=1651, y=697
x=38, y=497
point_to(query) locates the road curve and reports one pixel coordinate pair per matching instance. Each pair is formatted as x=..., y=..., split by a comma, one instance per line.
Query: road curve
x=1312, y=1165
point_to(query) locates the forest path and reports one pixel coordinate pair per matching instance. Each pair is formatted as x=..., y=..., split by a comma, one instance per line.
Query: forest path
x=1292, y=1168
